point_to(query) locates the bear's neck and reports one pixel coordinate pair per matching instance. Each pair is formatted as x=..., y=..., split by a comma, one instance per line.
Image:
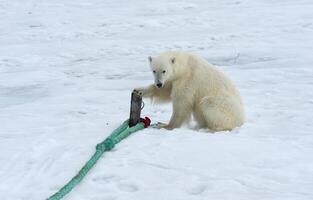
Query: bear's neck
x=182, y=72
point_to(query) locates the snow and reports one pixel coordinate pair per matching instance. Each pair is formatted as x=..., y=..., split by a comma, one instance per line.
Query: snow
x=67, y=69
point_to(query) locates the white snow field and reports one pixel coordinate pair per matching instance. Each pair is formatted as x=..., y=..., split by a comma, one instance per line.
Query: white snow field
x=67, y=69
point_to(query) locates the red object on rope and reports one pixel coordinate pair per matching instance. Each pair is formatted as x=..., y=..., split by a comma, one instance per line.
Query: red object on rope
x=146, y=121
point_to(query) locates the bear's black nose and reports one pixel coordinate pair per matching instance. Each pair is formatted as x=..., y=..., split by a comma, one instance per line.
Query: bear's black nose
x=159, y=85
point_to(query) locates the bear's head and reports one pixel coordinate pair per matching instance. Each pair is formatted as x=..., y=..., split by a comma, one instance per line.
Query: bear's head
x=162, y=69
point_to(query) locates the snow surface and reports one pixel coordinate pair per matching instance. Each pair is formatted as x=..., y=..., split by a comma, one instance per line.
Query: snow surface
x=67, y=69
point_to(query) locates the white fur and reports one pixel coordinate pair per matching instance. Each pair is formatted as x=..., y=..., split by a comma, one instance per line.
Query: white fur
x=196, y=88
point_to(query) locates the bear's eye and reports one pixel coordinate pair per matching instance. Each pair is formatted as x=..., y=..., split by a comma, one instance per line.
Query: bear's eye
x=163, y=71
x=154, y=71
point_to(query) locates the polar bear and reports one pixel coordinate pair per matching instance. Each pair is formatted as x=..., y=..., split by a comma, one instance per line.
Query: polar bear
x=196, y=89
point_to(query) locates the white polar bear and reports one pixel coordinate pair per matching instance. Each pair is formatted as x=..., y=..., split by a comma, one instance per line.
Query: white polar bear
x=196, y=88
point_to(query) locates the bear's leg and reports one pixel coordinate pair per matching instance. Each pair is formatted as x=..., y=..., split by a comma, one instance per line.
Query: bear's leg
x=221, y=113
x=181, y=113
x=157, y=94
x=199, y=118
x=145, y=92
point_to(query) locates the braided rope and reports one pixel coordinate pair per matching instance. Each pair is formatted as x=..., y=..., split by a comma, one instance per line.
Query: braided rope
x=116, y=136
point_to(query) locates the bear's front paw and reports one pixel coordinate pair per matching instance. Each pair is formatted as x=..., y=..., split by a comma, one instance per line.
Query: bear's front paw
x=139, y=91
x=160, y=125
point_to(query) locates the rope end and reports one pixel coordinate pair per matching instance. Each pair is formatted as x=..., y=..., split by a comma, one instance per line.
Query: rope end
x=146, y=121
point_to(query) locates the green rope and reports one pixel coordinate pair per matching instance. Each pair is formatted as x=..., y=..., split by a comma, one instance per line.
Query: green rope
x=116, y=136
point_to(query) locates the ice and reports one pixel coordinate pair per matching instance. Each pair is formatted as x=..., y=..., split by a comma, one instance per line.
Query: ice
x=67, y=69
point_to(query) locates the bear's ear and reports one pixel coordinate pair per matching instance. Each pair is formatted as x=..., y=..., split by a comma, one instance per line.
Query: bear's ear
x=150, y=59
x=172, y=60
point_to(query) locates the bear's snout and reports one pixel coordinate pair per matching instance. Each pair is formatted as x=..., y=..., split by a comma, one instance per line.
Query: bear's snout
x=159, y=85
